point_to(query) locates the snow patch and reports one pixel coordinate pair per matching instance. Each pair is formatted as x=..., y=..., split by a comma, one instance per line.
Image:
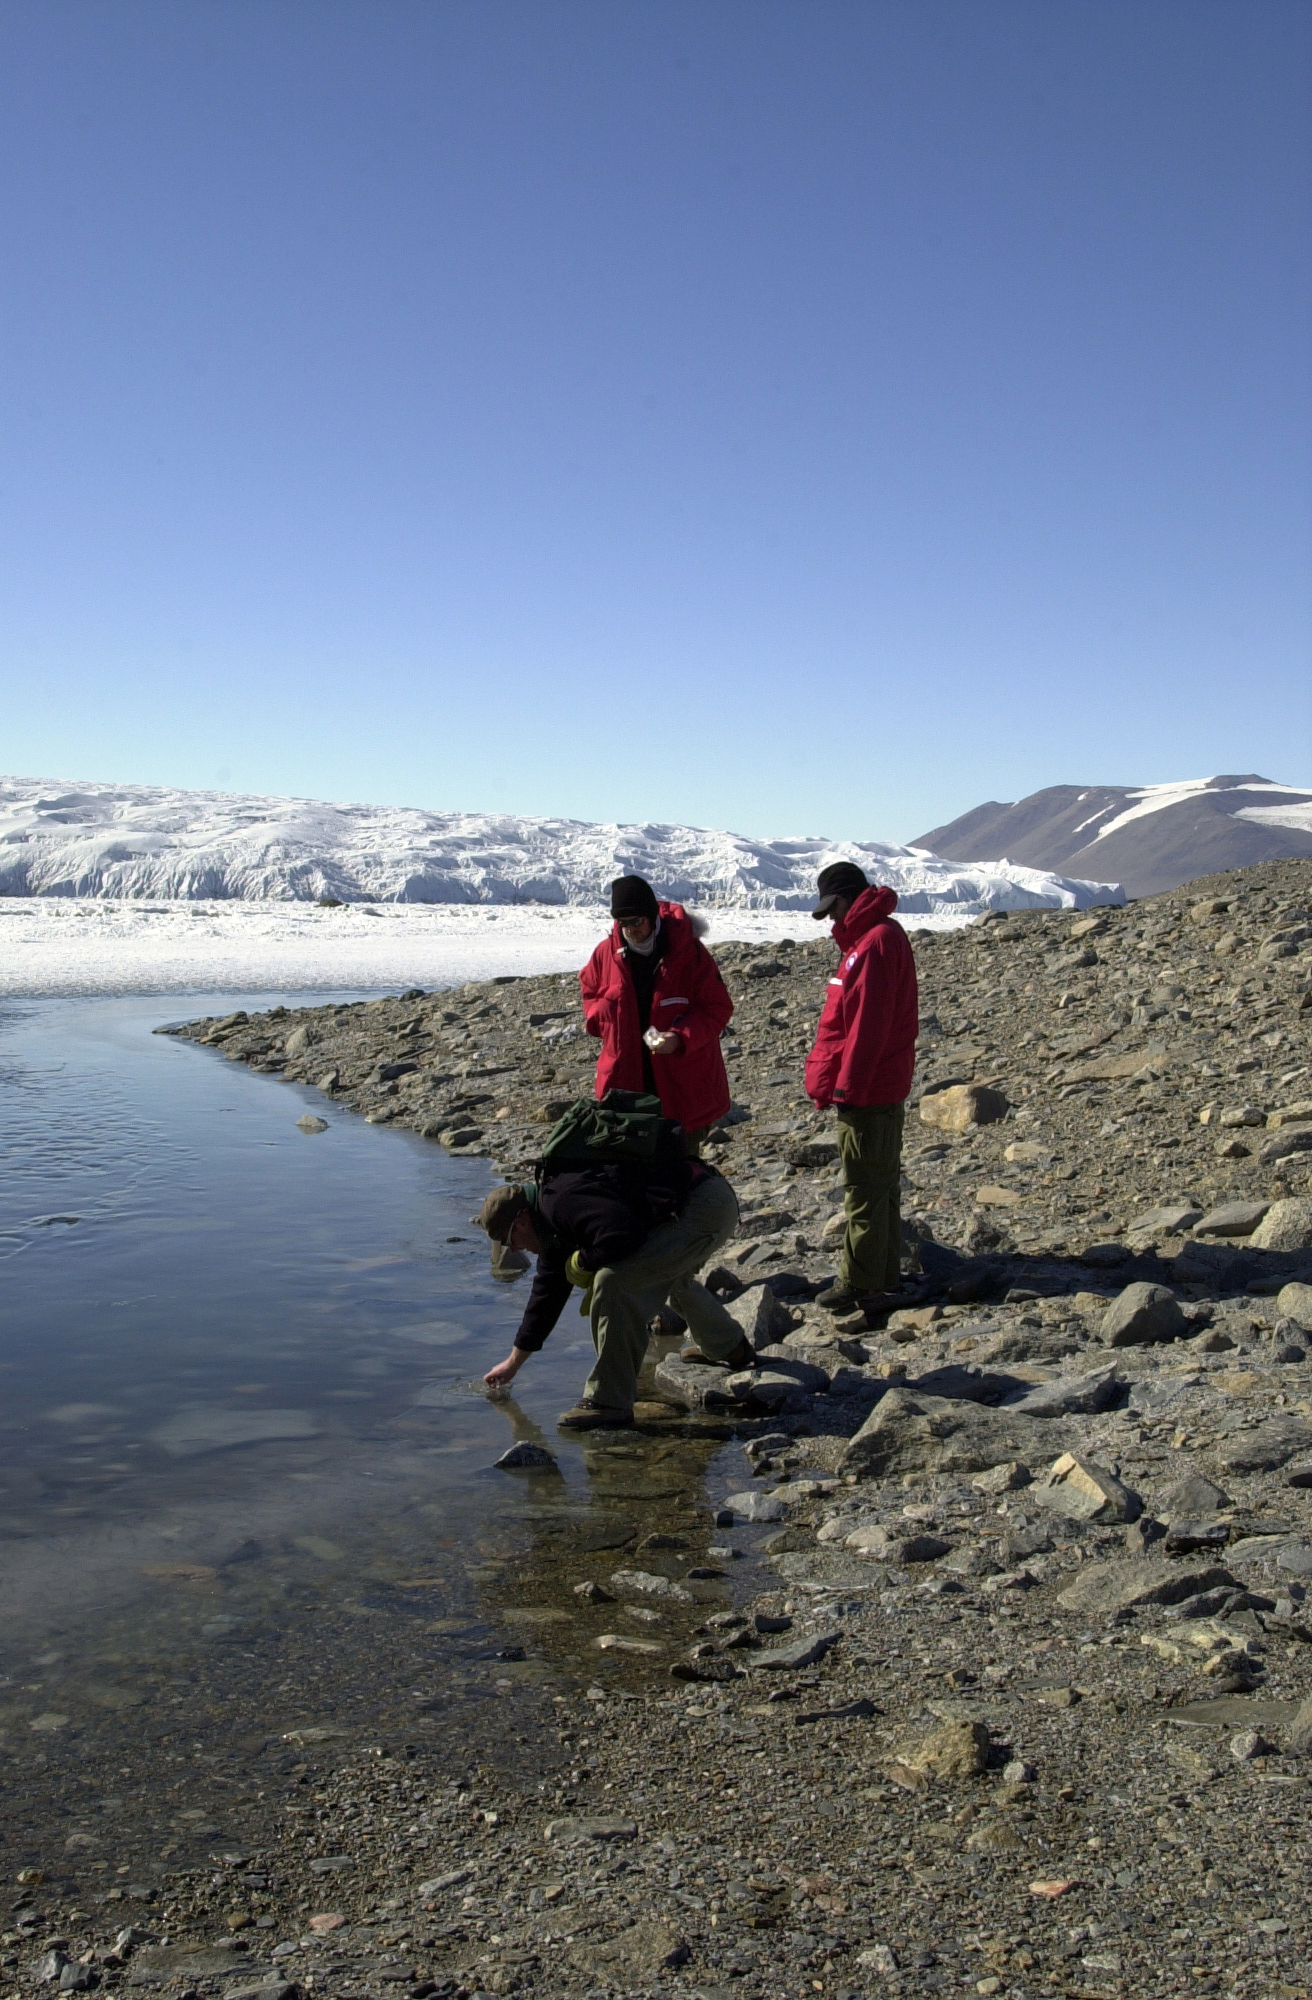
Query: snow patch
x=1296, y=816
x=59, y=945
x=1156, y=798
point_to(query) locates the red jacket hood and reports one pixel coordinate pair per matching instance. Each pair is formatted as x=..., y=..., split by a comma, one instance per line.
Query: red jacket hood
x=679, y=927
x=870, y=908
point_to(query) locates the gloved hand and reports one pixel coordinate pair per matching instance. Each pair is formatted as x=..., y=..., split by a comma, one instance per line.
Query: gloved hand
x=579, y=1274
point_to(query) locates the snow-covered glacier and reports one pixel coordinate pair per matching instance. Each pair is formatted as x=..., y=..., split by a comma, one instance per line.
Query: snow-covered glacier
x=133, y=842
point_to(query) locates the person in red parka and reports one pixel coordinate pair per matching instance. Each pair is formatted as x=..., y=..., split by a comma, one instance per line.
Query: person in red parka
x=654, y=998
x=862, y=1063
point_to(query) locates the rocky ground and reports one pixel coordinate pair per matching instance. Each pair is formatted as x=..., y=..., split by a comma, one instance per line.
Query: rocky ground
x=977, y=1662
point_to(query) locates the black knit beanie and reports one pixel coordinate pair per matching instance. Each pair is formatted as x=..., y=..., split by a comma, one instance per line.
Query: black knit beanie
x=631, y=897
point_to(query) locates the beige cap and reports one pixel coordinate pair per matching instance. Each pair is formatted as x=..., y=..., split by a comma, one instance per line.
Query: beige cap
x=497, y=1215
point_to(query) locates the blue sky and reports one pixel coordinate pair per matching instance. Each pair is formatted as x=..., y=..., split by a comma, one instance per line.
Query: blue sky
x=807, y=418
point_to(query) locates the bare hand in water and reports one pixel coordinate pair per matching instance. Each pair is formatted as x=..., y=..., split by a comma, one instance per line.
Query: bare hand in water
x=499, y=1379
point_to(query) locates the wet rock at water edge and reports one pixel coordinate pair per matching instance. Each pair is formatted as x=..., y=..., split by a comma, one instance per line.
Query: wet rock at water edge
x=526, y=1457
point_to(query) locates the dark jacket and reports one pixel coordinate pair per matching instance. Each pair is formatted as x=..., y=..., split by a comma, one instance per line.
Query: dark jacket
x=687, y=995
x=602, y=1215
x=865, y=1045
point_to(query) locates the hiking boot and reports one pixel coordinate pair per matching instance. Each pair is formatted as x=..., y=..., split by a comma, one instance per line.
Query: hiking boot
x=743, y=1356
x=878, y=1305
x=590, y=1416
x=838, y=1298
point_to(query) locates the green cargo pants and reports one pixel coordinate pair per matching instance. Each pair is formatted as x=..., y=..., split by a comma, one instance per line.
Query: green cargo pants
x=626, y=1296
x=870, y=1150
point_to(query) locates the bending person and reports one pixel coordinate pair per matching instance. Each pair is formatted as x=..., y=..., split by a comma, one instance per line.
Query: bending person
x=631, y=1236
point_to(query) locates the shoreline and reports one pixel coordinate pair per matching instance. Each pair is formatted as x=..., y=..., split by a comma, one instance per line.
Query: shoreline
x=977, y=1724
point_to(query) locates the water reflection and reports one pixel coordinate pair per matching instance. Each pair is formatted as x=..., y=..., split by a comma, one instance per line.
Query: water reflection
x=248, y=1504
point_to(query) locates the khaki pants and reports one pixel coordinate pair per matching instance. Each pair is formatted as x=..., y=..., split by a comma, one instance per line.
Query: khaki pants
x=626, y=1296
x=870, y=1150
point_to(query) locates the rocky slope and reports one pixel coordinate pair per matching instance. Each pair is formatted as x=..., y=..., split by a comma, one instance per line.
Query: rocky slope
x=983, y=1665
x=1151, y=838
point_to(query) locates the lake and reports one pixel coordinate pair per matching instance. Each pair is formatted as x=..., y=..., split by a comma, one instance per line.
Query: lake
x=248, y=1500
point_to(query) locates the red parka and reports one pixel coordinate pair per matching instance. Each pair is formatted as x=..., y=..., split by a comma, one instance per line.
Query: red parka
x=865, y=1045
x=689, y=997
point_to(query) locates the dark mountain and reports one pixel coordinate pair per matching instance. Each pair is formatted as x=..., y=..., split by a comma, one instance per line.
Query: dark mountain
x=1149, y=838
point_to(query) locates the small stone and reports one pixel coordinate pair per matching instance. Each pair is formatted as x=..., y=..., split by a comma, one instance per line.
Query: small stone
x=620, y=1642
x=1017, y=1772
x=311, y=1124
x=454, y=1878
x=1232, y=1218
x=1073, y=1395
x=802, y=1653
x=1248, y=1744
x=567, y=1832
x=879, y=1958
x=1009, y=1477
x=646, y=1584
x=749, y=1506
x=957, y=1750
x=1085, y=1491
x=329, y=1920
x=1299, y=1741
x=961, y=1106
x=1290, y=1140
x=1143, y=1315
x=592, y=1593
x=1195, y=1497
x=1164, y=1221
x=1295, y=1302
x=526, y=1457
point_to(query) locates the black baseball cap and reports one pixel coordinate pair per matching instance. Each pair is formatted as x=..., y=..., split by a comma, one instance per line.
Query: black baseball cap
x=840, y=878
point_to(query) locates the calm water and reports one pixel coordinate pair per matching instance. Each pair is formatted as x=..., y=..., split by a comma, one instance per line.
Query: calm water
x=244, y=1450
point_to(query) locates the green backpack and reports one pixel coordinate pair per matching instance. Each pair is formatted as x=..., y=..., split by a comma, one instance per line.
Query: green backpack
x=626, y=1128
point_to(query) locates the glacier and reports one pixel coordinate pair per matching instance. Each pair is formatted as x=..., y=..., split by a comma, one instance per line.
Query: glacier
x=154, y=843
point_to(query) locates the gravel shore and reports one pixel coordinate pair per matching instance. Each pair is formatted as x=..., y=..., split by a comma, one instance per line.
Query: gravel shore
x=963, y=1652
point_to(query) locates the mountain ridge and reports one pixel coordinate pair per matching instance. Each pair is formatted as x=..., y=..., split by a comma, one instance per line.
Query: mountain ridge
x=1152, y=838
x=156, y=842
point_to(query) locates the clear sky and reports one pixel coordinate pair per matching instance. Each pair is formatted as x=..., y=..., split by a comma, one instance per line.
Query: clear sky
x=802, y=418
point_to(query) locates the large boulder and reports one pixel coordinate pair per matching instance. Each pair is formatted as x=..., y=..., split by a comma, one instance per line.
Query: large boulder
x=912, y=1433
x=1073, y=1395
x=1143, y=1315
x=1287, y=1225
x=1266, y=1446
x=1111, y=1587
